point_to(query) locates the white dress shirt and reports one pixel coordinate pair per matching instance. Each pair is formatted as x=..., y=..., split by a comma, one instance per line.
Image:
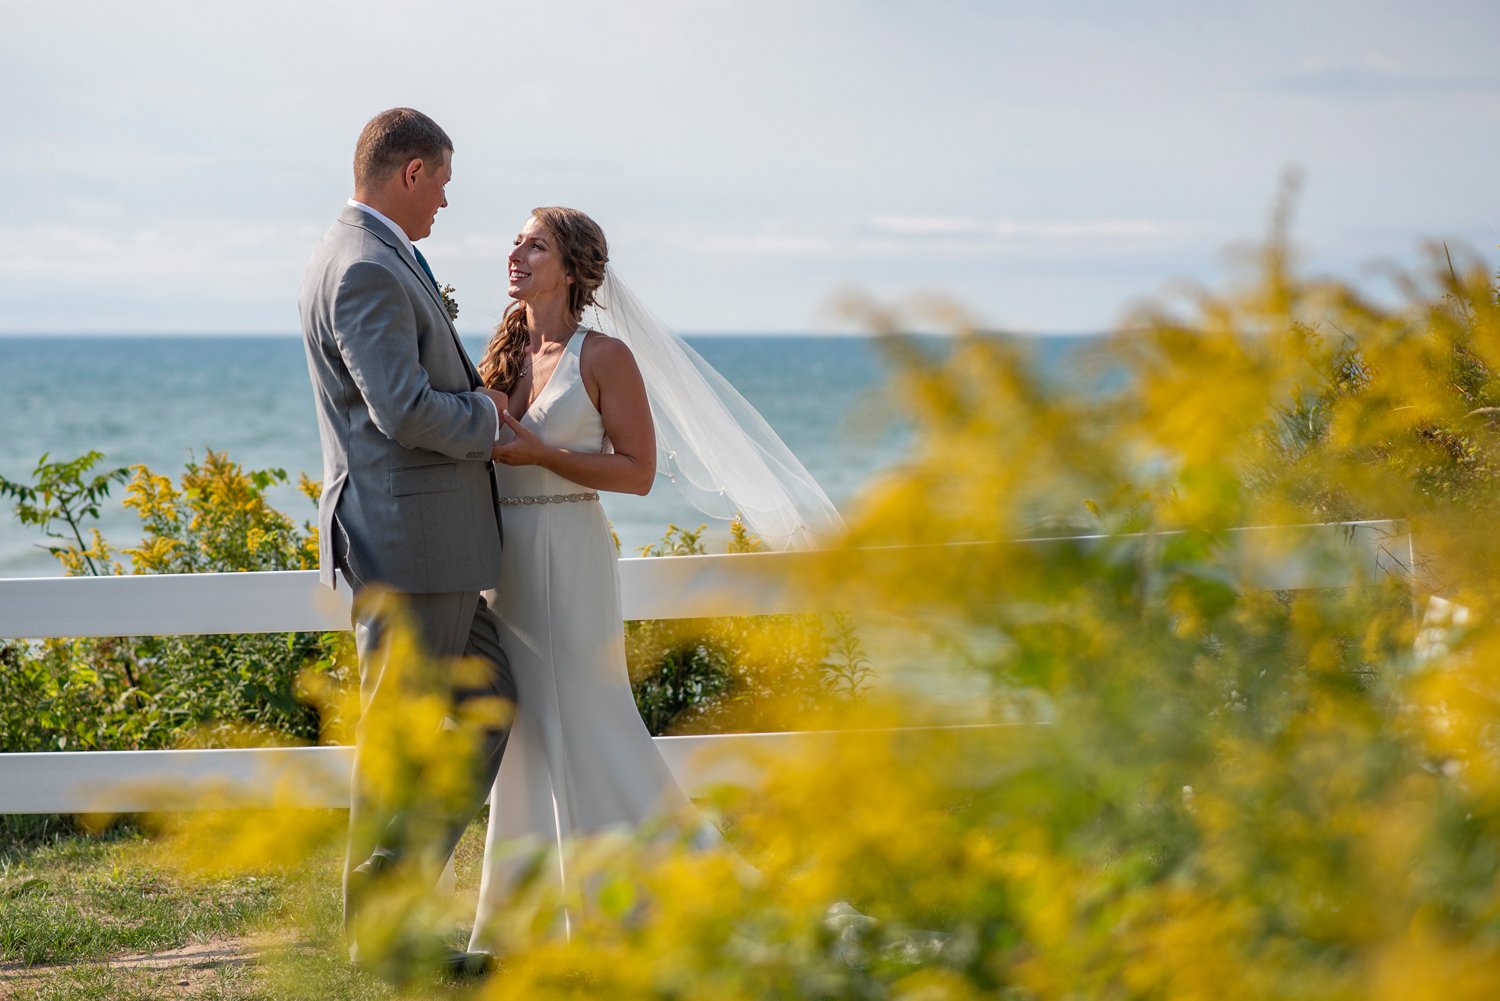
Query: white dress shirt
x=406, y=241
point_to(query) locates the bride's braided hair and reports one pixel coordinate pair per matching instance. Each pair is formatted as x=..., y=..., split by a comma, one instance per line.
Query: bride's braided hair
x=580, y=243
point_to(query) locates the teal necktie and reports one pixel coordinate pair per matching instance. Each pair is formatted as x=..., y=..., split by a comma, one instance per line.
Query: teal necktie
x=423, y=261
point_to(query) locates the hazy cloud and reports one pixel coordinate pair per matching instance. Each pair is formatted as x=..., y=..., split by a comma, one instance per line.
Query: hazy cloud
x=926, y=224
x=766, y=244
x=950, y=236
x=1379, y=76
x=174, y=164
x=156, y=254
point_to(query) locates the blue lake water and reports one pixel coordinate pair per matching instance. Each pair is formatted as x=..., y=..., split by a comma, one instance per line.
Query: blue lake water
x=159, y=401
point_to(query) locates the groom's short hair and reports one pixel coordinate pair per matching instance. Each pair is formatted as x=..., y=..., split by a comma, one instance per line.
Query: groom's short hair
x=394, y=138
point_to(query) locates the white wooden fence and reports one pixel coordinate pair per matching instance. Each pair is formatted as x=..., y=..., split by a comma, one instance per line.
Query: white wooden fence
x=1305, y=556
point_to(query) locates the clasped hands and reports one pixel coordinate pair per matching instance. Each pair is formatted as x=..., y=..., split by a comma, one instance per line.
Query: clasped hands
x=525, y=449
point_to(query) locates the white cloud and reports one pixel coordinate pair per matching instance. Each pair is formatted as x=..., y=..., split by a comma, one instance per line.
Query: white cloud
x=156, y=254
x=1088, y=229
x=925, y=224
x=945, y=236
x=766, y=244
x=177, y=162
x=1378, y=75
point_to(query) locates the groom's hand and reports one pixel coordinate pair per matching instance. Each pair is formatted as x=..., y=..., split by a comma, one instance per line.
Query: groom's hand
x=526, y=449
x=499, y=401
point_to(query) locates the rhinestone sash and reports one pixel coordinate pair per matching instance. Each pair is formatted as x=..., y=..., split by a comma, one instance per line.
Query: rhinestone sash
x=551, y=499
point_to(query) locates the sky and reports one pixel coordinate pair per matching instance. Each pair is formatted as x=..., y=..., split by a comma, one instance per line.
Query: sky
x=171, y=165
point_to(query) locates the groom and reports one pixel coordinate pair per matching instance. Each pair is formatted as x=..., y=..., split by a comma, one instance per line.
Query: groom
x=408, y=504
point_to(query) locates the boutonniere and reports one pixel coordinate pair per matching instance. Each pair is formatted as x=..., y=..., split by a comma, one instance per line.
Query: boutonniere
x=450, y=304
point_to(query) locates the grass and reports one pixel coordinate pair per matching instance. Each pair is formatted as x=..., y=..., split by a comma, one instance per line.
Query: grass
x=90, y=918
x=80, y=899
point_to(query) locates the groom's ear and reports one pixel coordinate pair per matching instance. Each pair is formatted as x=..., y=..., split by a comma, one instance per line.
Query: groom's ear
x=410, y=171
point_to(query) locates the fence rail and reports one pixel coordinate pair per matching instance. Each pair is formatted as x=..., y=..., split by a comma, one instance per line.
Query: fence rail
x=1305, y=556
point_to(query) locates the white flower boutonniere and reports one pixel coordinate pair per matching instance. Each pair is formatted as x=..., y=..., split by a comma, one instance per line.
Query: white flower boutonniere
x=449, y=303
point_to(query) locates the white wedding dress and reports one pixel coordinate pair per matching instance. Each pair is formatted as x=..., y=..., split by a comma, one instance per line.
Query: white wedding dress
x=579, y=760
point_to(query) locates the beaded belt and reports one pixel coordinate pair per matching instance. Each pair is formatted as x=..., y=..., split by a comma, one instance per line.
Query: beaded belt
x=551, y=499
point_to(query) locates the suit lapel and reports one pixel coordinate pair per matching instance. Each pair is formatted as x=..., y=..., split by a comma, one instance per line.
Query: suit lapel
x=362, y=219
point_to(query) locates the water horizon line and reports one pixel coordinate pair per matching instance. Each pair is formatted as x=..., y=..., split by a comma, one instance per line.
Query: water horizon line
x=38, y=335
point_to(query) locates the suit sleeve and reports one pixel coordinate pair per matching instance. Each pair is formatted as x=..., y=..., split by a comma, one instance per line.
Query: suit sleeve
x=376, y=330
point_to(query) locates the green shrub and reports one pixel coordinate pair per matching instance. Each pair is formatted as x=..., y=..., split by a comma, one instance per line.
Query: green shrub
x=127, y=693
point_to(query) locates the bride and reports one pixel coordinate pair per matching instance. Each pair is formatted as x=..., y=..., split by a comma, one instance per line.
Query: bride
x=592, y=410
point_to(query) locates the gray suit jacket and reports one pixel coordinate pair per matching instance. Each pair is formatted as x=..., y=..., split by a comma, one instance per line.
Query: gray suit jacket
x=407, y=482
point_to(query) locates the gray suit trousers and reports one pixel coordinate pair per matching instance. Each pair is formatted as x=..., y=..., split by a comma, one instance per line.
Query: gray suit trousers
x=449, y=626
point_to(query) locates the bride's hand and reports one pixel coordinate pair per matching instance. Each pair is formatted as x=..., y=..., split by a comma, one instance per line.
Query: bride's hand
x=526, y=449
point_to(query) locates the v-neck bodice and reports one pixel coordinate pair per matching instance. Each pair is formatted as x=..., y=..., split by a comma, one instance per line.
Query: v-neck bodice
x=562, y=416
x=562, y=356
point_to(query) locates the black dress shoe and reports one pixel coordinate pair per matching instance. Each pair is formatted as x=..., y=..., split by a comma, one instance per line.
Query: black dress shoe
x=375, y=867
x=455, y=964
x=364, y=877
x=467, y=965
